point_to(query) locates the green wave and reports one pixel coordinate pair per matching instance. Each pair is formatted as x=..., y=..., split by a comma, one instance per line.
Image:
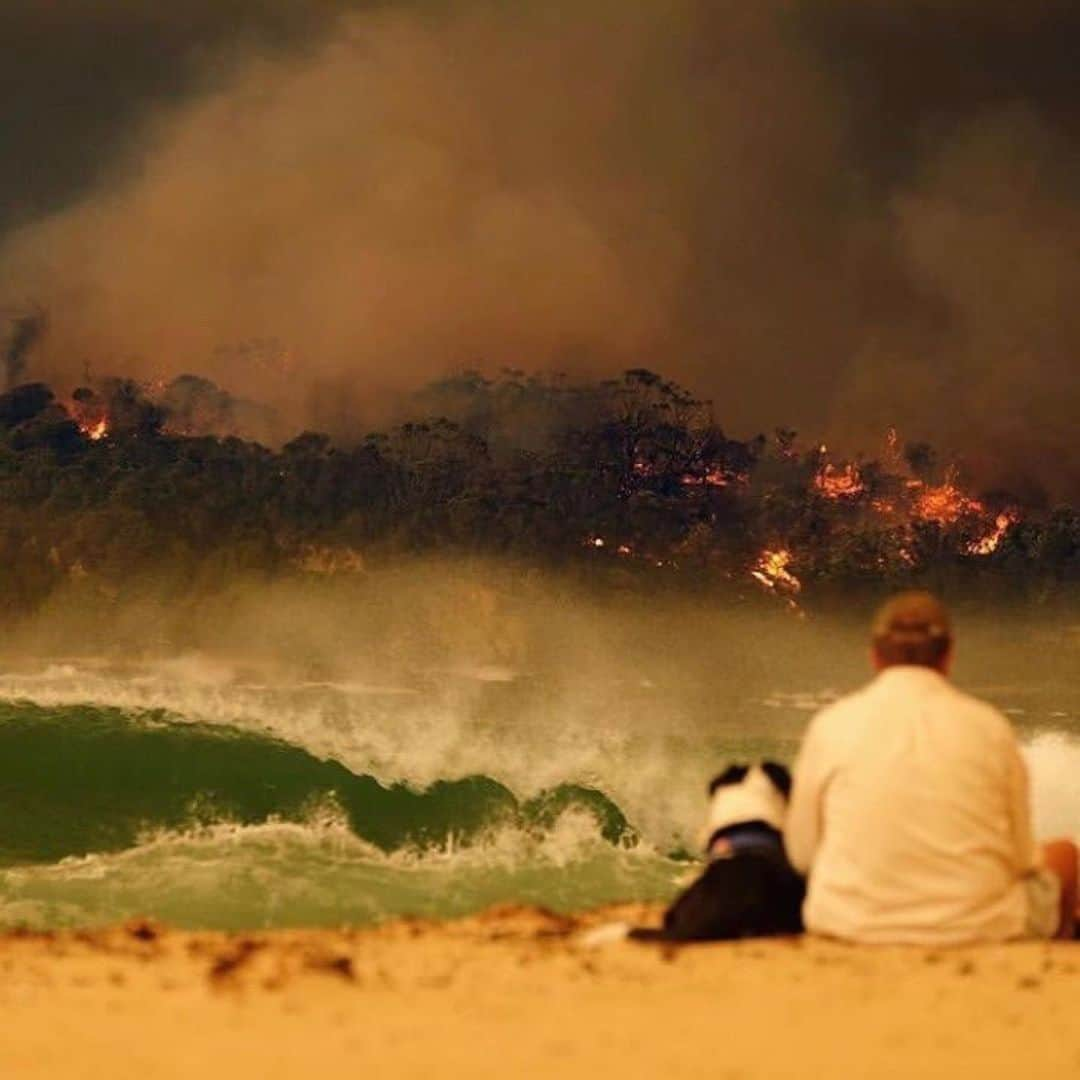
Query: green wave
x=79, y=779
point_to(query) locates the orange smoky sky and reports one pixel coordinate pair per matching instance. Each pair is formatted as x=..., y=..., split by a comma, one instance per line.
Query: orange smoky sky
x=833, y=215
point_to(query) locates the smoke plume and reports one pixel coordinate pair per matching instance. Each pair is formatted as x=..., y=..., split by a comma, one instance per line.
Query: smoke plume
x=834, y=215
x=26, y=331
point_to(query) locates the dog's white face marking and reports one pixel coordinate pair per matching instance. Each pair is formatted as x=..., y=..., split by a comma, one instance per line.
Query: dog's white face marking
x=754, y=798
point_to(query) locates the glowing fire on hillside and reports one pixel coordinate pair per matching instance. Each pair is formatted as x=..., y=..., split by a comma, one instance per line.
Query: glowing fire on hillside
x=885, y=507
x=836, y=483
x=989, y=543
x=945, y=504
x=711, y=478
x=90, y=416
x=771, y=570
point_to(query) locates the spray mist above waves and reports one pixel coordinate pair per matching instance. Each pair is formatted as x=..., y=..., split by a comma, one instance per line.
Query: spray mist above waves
x=271, y=755
x=437, y=673
x=311, y=864
x=706, y=189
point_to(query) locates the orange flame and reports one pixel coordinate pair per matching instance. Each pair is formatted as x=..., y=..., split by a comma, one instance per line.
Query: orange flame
x=837, y=484
x=91, y=420
x=771, y=570
x=945, y=504
x=711, y=478
x=989, y=543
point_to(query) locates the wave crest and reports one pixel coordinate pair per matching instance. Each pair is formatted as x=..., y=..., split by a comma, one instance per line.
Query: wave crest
x=85, y=780
x=319, y=873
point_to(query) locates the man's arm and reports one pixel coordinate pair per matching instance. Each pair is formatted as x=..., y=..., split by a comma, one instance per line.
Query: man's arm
x=802, y=828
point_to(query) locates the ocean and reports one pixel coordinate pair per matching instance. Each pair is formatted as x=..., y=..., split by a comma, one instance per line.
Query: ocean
x=211, y=794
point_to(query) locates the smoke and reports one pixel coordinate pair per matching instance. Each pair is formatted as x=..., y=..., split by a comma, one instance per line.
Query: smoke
x=26, y=332
x=79, y=78
x=981, y=235
x=425, y=192
x=772, y=203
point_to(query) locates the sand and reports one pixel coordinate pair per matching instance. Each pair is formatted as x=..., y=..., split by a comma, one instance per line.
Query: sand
x=515, y=993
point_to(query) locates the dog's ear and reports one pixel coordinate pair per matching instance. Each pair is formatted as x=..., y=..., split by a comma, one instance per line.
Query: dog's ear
x=780, y=776
x=733, y=774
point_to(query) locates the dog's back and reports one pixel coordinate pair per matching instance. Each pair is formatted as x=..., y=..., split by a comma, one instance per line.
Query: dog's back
x=749, y=894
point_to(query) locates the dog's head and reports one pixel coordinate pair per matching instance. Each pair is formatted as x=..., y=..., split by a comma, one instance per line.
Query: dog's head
x=745, y=793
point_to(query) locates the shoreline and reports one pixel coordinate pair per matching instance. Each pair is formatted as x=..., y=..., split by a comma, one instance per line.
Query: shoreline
x=514, y=991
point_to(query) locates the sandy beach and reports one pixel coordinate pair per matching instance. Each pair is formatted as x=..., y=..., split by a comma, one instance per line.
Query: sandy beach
x=516, y=993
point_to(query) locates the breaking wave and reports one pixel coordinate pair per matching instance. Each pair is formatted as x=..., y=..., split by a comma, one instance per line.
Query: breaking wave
x=319, y=873
x=210, y=799
x=1054, y=762
x=83, y=780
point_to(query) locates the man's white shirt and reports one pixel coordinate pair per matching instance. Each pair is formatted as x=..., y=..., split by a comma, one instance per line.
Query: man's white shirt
x=910, y=812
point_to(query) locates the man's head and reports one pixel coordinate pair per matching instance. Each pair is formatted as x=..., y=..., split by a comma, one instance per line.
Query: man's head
x=912, y=628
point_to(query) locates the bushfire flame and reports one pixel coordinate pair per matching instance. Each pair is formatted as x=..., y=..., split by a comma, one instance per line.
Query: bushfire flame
x=945, y=504
x=90, y=418
x=988, y=544
x=892, y=502
x=836, y=483
x=771, y=570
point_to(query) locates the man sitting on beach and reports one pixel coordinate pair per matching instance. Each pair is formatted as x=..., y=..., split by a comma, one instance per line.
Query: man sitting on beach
x=910, y=811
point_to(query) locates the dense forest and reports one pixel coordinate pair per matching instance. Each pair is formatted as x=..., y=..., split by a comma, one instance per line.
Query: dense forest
x=629, y=481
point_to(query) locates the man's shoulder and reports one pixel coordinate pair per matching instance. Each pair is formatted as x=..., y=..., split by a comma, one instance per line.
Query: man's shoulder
x=867, y=703
x=845, y=711
x=978, y=711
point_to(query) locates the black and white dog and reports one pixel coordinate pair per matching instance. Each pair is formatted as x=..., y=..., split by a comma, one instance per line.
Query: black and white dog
x=749, y=888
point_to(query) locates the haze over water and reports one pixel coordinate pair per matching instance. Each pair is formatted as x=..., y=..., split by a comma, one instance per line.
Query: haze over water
x=455, y=741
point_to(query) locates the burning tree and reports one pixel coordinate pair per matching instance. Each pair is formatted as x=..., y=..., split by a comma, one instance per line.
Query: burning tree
x=631, y=475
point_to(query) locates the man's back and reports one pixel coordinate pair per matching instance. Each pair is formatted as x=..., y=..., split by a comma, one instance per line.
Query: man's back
x=911, y=806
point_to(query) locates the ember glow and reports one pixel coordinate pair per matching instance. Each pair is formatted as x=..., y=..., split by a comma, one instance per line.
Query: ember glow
x=839, y=483
x=712, y=478
x=90, y=415
x=989, y=543
x=889, y=515
x=945, y=504
x=92, y=422
x=771, y=570
x=898, y=504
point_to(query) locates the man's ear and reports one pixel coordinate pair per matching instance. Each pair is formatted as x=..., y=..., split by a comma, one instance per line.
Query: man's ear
x=733, y=774
x=780, y=776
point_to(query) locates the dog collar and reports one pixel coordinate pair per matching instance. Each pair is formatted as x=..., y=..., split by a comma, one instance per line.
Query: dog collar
x=746, y=836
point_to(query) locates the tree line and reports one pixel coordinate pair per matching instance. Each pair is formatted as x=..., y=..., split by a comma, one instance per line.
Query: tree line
x=629, y=480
